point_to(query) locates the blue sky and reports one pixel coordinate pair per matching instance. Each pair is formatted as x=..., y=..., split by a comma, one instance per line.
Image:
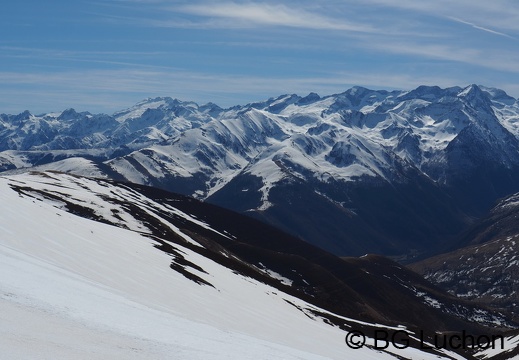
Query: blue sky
x=106, y=55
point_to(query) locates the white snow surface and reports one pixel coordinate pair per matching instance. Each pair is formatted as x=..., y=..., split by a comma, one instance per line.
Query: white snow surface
x=137, y=110
x=76, y=165
x=13, y=158
x=73, y=288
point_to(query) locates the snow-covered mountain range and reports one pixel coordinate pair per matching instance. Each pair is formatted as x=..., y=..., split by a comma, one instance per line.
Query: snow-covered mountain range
x=93, y=268
x=391, y=172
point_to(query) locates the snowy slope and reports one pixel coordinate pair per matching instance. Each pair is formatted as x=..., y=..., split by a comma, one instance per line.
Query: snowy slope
x=96, y=281
x=71, y=287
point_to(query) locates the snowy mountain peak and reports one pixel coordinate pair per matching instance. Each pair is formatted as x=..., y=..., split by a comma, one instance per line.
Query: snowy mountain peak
x=25, y=115
x=68, y=114
x=471, y=90
x=430, y=93
x=476, y=97
x=165, y=104
x=308, y=99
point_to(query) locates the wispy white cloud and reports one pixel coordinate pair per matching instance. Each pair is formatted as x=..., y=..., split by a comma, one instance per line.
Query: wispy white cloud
x=499, y=59
x=254, y=14
x=481, y=28
x=384, y=24
x=495, y=16
x=19, y=51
